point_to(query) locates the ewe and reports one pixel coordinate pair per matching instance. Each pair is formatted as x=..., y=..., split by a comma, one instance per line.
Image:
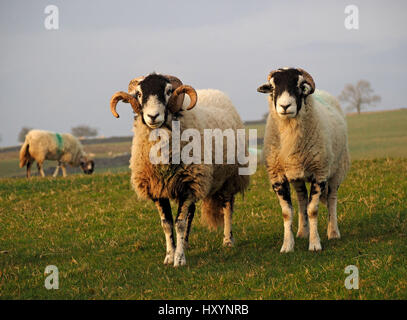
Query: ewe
x=40, y=145
x=305, y=140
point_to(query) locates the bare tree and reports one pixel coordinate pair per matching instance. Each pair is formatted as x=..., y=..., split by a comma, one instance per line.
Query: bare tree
x=23, y=132
x=84, y=131
x=359, y=96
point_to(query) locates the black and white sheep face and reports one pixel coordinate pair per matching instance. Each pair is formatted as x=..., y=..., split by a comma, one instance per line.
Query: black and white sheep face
x=153, y=94
x=288, y=88
x=87, y=166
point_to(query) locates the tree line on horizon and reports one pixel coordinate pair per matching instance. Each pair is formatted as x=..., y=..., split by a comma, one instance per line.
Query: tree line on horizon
x=81, y=131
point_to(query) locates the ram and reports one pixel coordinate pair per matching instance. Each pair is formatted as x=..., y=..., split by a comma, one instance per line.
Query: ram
x=305, y=141
x=158, y=101
x=41, y=145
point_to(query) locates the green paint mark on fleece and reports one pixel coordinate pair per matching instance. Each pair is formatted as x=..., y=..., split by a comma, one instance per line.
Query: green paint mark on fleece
x=320, y=99
x=60, y=143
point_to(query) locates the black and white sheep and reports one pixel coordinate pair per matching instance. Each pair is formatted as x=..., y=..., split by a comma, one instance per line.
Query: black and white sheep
x=158, y=101
x=305, y=141
x=41, y=145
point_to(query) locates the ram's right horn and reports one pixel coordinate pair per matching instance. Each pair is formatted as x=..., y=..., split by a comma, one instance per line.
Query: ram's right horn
x=184, y=89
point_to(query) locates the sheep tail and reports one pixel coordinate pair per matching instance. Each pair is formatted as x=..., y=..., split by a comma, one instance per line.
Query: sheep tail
x=24, y=154
x=212, y=213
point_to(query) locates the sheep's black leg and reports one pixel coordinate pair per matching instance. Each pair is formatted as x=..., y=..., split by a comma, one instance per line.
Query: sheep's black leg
x=29, y=164
x=190, y=217
x=312, y=210
x=164, y=208
x=333, y=230
x=228, y=240
x=282, y=190
x=181, y=228
x=302, y=196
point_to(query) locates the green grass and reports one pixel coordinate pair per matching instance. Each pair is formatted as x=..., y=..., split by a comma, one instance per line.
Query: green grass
x=378, y=134
x=109, y=245
x=10, y=168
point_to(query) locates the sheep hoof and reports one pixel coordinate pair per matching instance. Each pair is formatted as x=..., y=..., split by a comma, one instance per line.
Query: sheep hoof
x=315, y=246
x=334, y=234
x=303, y=233
x=287, y=247
x=228, y=243
x=288, y=243
x=179, y=260
x=169, y=258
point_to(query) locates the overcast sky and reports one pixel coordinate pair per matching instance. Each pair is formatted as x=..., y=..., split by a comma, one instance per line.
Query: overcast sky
x=57, y=79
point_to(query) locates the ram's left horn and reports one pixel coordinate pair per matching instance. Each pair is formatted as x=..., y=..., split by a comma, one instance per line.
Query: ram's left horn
x=125, y=97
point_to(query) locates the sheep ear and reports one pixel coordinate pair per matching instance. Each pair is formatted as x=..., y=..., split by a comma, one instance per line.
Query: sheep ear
x=265, y=88
x=133, y=84
x=306, y=89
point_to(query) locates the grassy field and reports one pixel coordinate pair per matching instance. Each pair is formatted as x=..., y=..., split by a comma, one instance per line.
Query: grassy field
x=109, y=245
x=378, y=134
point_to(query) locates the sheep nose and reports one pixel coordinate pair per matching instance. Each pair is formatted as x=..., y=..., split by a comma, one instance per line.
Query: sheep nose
x=285, y=107
x=153, y=117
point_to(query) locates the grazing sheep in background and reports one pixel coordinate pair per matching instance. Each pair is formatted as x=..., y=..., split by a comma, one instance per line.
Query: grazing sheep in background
x=305, y=140
x=40, y=145
x=158, y=101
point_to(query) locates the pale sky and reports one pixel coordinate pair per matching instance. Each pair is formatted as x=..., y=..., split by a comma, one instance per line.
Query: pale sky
x=57, y=79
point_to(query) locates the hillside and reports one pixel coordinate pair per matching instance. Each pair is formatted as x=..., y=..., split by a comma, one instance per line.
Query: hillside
x=371, y=135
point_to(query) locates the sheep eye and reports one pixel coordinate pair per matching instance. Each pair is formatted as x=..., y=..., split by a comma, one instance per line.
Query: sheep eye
x=138, y=95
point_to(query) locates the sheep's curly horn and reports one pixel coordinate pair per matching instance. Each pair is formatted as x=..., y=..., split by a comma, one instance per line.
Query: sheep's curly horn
x=176, y=83
x=127, y=98
x=308, y=79
x=174, y=106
